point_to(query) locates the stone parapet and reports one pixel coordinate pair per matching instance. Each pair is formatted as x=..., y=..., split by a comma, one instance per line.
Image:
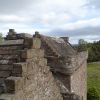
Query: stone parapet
x=72, y=63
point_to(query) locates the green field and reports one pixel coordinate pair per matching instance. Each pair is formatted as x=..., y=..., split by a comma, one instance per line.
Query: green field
x=94, y=75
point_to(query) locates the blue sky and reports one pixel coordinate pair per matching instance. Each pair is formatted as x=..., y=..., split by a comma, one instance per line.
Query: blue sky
x=78, y=19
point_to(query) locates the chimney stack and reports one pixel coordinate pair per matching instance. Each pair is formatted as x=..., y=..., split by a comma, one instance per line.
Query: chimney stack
x=11, y=32
x=66, y=39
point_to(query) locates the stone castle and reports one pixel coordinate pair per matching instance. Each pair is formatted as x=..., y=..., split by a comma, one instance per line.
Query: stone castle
x=40, y=67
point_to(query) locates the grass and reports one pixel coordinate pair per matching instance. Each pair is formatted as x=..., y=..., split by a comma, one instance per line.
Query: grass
x=94, y=75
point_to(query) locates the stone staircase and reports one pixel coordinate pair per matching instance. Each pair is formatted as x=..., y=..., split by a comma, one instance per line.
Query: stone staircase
x=24, y=70
x=14, y=65
x=48, y=50
x=10, y=51
x=24, y=74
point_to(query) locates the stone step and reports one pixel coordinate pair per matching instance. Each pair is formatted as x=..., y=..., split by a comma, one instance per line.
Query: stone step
x=31, y=53
x=7, y=62
x=25, y=68
x=9, y=57
x=6, y=67
x=1, y=90
x=10, y=52
x=6, y=96
x=5, y=74
x=11, y=47
x=51, y=57
x=50, y=54
x=44, y=45
x=13, y=84
x=53, y=50
x=48, y=51
x=1, y=81
x=12, y=42
x=19, y=69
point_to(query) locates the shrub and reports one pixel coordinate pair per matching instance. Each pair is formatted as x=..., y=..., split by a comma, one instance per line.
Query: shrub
x=93, y=94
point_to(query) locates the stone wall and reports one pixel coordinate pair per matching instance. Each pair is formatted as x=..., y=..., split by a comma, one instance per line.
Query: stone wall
x=36, y=82
x=79, y=78
x=69, y=73
x=71, y=96
x=65, y=80
x=27, y=72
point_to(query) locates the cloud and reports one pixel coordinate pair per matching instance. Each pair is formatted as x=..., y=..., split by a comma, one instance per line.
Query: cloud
x=14, y=6
x=78, y=28
x=13, y=18
x=82, y=23
x=95, y=4
x=45, y=14
x=56, y=17
x=76, y=32
x=87, y=33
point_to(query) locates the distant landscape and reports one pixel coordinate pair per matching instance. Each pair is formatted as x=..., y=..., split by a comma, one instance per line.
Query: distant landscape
x=93, y=68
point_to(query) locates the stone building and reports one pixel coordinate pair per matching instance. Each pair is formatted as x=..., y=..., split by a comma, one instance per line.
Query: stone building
x=39, y=67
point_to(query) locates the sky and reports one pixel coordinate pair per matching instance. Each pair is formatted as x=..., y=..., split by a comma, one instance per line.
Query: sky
x=77, y=19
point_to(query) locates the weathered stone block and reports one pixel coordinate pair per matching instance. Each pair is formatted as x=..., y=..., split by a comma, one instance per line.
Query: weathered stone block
x=6, y=67
x=4, y=74
x=36, y=43
x=1, y=81
x=7, y=61
x=31, y=53
x=9, y=57
x=7, y=97
x=12, y=42
x=19, y=69
x=13, y=84
x=19, y=96
x=1, y=89
x=10, y=52
x=30, y=67
x=11, y=47
x=42, y=62
x=28, y=80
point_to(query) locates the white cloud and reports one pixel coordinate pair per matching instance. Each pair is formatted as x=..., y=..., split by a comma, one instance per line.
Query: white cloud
x=12, y=18
x=88, y=38
x=94, y=22
x=47, y=15
x=94, y=4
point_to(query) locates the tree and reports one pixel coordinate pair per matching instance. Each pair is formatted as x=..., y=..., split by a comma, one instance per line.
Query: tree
x=82, y=45
x=93, y=50
x=82, y=41
x=1, y=37
x=93, y=94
